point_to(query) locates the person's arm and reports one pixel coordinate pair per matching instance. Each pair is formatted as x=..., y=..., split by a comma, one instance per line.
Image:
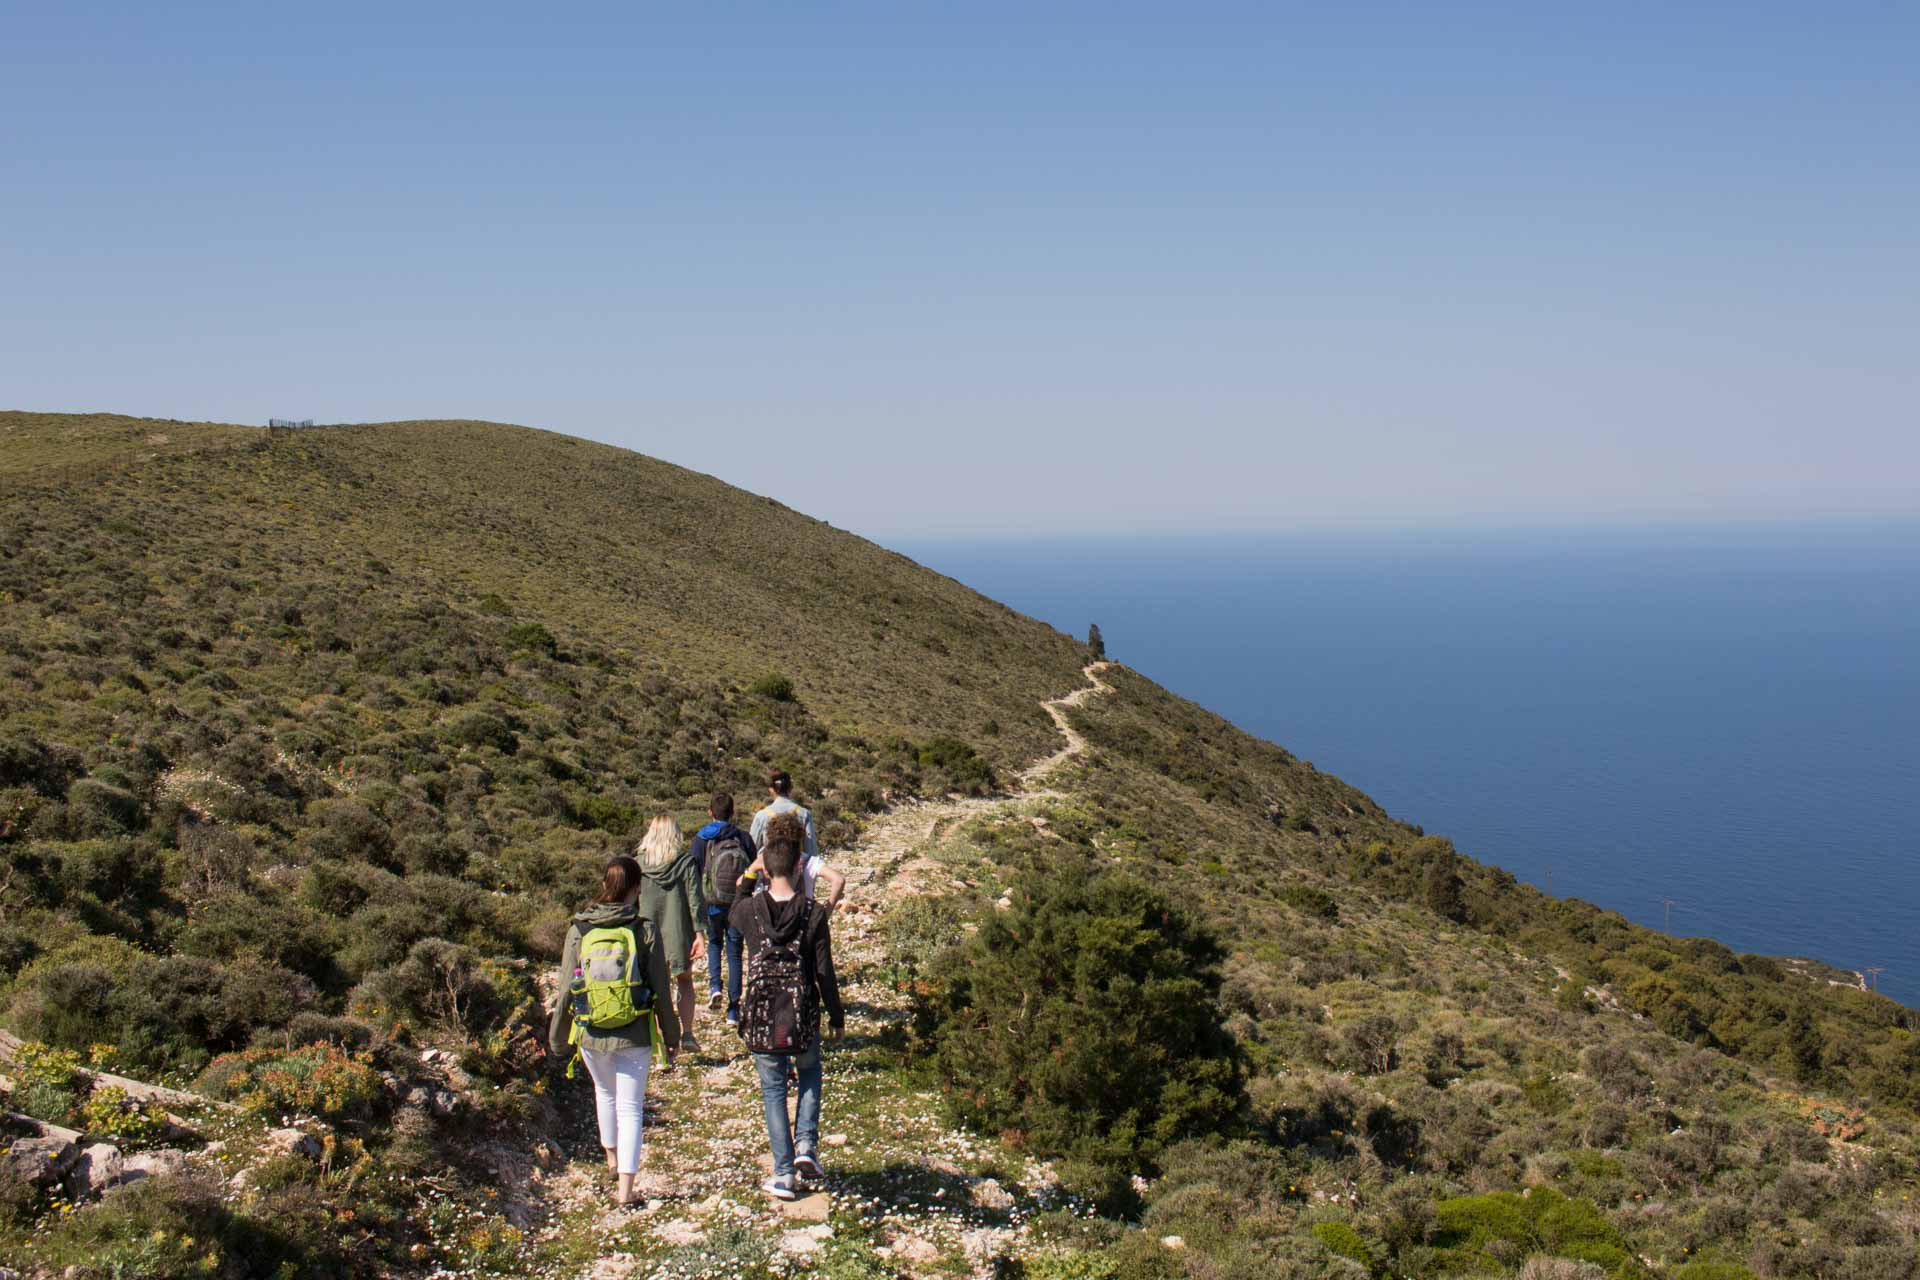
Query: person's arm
x=835, y=882
x=561, y=1022
x=740, y=920
x=665, y=1016
x=823, y=976
x=813, y=837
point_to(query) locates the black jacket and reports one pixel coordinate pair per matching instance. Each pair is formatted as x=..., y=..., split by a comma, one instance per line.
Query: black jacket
x=784, y=920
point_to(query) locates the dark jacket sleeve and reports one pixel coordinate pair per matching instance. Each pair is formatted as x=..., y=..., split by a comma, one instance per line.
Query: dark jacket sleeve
x=560, y=1024
x=823, y=977
x=665, y=1016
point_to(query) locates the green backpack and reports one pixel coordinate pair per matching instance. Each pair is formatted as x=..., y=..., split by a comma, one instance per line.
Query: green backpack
x=610, y=988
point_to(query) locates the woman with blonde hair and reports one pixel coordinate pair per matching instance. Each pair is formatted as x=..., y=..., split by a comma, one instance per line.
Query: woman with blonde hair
x=671, y=897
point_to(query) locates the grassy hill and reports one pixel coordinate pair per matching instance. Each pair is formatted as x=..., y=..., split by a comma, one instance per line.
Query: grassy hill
x=309, y=743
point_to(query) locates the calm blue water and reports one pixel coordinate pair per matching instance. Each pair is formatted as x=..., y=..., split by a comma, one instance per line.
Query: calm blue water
x=1728, y=718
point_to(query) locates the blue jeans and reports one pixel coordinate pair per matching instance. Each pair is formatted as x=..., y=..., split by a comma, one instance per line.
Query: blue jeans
x=719, y=931
x=804, y=1135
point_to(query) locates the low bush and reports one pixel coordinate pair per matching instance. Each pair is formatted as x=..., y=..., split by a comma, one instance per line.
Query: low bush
x=921, y=934
x=47, y=1083
x=1085, y=1022
x=774, y=688
x=110, y=1112
x=1309, y=901
x=318, y=1080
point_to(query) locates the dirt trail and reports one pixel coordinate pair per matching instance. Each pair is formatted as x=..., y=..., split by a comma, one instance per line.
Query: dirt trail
x=930, y=1200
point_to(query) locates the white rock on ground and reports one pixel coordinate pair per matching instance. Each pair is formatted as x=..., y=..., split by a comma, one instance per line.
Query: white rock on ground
x=97, y=1168
x=292, y=1142
x=152, y=1164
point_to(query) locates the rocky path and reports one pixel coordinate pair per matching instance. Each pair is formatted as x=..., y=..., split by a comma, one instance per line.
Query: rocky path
x=920, y=1196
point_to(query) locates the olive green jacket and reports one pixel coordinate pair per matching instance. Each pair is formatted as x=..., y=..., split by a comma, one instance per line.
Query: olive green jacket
x=601, y=915
x=673, y=899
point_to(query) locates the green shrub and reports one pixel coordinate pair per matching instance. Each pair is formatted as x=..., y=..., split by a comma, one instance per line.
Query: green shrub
x=773, y=687
x=442, y=986
x=1069, y=1264
x=1309, y=901
x=111, y=1112
x=1342, y=1239
x=318, y=1080
x=1504, y=1224
x=47, y=1083
x=958, y=767
x=180, y=1227
x=920, y=934
x=96, y=807
x=1085, y=1021
x=1710, y=1271
x=534, y=637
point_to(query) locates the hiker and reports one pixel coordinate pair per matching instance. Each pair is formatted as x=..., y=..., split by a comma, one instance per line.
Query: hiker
x=670, y=897
x=613, y=1007
x=723, y=853
x=789, y=978
x=813, y=867
x=780, y=787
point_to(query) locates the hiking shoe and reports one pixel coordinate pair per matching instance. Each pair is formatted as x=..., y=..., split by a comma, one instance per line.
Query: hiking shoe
x=689, y=1045
x=780, y=1188
x=716, y=998
x=807, y=1167
x=733, y=1019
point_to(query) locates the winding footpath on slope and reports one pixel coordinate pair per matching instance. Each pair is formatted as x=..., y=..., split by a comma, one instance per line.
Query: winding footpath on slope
x=929, y=1193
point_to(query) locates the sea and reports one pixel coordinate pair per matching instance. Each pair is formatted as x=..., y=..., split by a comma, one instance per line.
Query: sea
x=1709, y=729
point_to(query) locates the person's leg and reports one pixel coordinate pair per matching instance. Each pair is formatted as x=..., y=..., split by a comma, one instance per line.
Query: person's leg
x=600, y=1070
x=735, y=942
x=630, y=1108
x=772, y=1068
x=716, y=976
x=806, y=1120
x=684, y=985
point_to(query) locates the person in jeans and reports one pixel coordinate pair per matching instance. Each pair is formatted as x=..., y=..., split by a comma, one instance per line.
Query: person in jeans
x=814, y=870
x=618, y=1058
x=780, y=789
x=722, y=938
x=777, y=917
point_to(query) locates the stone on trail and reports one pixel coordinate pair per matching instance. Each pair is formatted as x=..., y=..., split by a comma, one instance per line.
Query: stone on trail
x=916, y=1249
x=680, y=1233
x=808, y=1208
x=835, y=1139
x=798, y=1242
x=989, y=1194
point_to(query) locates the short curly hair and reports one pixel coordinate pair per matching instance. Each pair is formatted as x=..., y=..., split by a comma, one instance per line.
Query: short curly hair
x=786, y=828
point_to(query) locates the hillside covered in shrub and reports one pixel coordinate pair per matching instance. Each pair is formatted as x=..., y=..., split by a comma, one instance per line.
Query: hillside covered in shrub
x=310, y=742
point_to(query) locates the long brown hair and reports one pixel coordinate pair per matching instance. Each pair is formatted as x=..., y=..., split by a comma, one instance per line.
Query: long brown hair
x=621, y=879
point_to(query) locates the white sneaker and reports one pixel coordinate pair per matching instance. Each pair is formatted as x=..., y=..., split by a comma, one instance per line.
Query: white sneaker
x=779, y=1188
x=808, y=1167
x=716, y=999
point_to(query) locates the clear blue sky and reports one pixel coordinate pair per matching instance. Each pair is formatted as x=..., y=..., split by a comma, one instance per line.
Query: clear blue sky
x=907, y=265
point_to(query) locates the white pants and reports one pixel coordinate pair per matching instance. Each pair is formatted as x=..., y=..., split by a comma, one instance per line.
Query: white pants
x=620, y=1099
